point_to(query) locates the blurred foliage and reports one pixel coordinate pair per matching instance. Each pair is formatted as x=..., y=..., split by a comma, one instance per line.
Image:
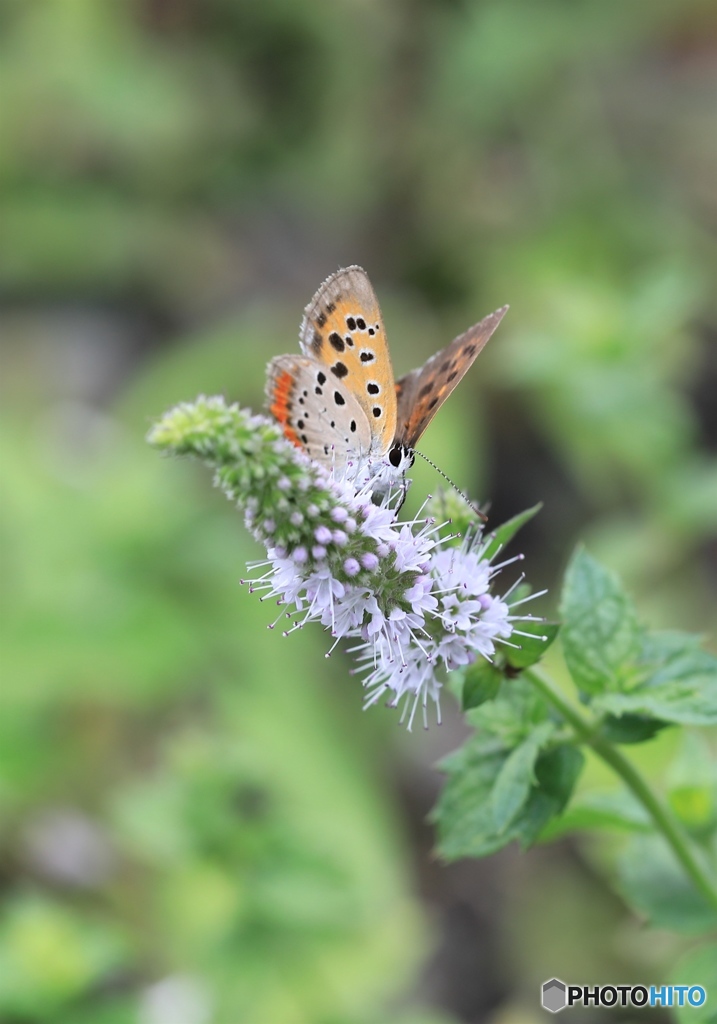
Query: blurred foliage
x=191, y=816
x=168, y=778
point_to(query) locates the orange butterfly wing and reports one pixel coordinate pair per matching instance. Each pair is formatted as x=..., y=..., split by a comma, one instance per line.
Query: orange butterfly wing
x=343, y=329
x=422, y=392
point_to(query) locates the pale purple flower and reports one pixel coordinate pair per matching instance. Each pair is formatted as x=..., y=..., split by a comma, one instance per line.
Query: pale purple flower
x=427, y=610
x=322, y=534
x=414, y=604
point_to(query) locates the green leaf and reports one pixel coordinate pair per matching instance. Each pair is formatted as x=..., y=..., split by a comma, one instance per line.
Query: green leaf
x=556, y=772
x=481, y=683
x=512, y=715
x=684, y=704
x=651, y=879
x=516, y=777
x=500, y=537
x=698, y=967
x=601, y=636
x=615, y=810
x=464, y=814
x=630, y=728
x=681, y=683
x=533, y=647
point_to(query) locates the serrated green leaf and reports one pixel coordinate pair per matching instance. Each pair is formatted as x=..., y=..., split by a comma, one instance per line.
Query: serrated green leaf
x=611, y=811
x=512, y=715
x=681, y=683
x=464, y=817
x=533, y=647
x=672, y=656
x=601, y=636
x=630, y=728
x=556, y=772
x=686, y=702
x=481, y=683
x=698, y=967
x=662, y=648
x=651, y=879
x=505, y=533
x=516, y=777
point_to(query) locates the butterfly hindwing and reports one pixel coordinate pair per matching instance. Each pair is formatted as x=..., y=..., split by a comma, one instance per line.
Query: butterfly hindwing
x=343, y=329
x=422, y=392
x=316, y=412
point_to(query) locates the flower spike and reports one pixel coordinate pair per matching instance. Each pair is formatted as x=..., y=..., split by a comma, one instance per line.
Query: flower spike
x=417, y=603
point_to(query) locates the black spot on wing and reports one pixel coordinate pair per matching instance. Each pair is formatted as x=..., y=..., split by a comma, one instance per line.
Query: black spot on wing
x=317, y=341
x=339, y=370
x=321, y=319
x=336, y=341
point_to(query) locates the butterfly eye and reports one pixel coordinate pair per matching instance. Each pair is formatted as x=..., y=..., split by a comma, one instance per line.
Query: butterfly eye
x=395, y=456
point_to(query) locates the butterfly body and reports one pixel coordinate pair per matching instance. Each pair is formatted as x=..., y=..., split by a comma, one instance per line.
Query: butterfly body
x=338, y=400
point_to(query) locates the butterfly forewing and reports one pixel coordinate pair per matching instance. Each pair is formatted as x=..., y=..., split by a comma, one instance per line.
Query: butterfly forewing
x=343, y=330
x=422, y=392
x=316, y=412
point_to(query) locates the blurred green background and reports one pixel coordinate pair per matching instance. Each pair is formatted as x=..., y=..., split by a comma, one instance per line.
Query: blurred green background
x=198, y=824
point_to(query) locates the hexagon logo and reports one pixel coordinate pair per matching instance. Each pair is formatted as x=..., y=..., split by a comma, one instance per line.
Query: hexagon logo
x=553, y=995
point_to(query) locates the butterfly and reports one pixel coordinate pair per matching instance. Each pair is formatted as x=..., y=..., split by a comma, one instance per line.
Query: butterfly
x=338, y=402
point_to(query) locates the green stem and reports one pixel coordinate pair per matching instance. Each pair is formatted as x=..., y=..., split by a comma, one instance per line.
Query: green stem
x=660, y=814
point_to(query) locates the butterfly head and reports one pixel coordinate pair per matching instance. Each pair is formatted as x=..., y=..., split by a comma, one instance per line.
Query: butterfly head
x=401, y=457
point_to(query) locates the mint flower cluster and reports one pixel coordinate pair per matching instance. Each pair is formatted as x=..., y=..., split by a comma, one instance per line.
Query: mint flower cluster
x=415, y=602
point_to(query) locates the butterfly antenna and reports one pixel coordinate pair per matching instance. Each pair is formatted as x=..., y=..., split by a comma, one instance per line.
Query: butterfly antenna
x=469, y=503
